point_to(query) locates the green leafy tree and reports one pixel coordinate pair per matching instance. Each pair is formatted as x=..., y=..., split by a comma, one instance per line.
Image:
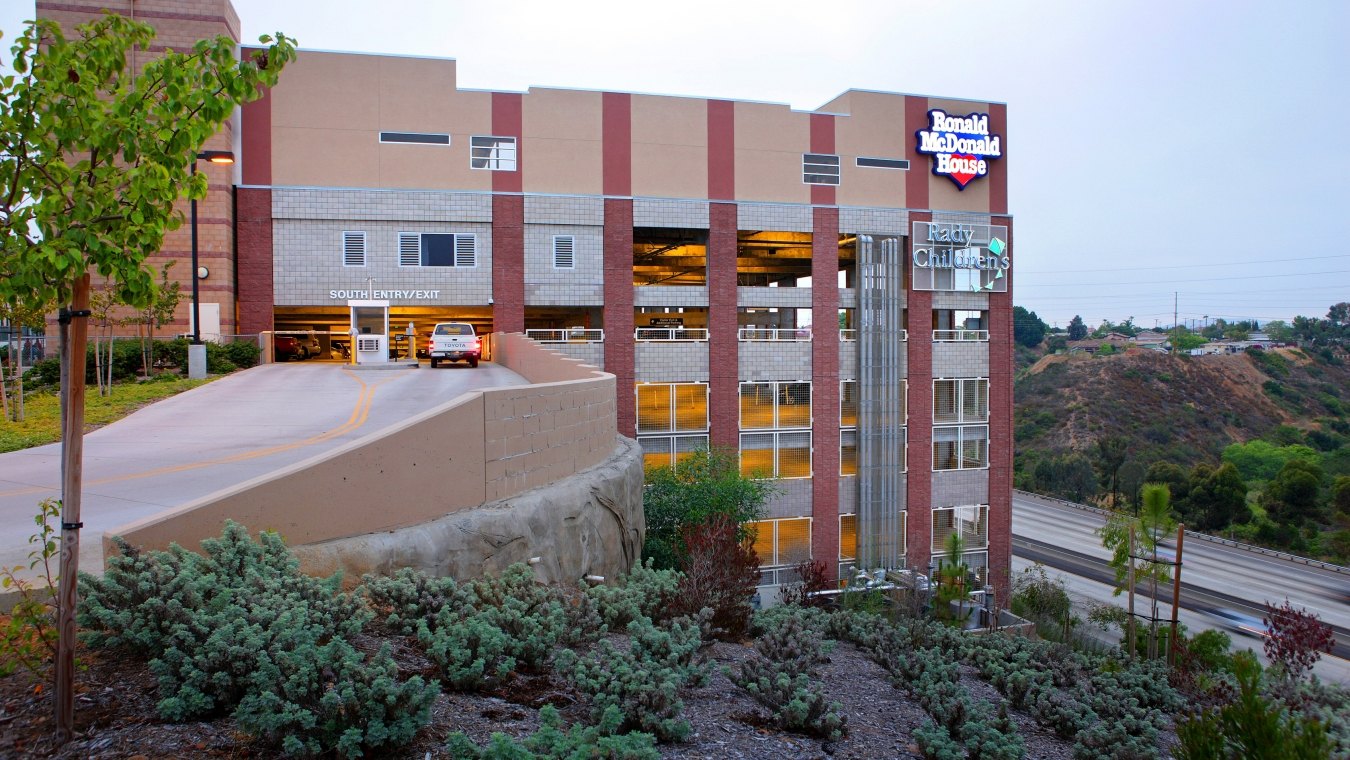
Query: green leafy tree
x=1262, y=460
x=1153, y=523
x=1077, y=330
x=1111, y=454
x=1340, y=494
x=94, y=158
x=1185, y=340
x=1218, y=498
x=697, y=489
x=1292, y=495
x=1028, y=329
x=1279, y=331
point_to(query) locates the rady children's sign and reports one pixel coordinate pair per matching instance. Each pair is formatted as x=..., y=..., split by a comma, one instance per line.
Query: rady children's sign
x=961, y=146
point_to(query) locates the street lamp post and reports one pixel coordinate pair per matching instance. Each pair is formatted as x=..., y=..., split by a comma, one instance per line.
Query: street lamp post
x=197, y=350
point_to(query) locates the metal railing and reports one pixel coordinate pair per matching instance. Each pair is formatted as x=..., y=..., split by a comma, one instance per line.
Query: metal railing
x=847, y=334
x=671, y=334
x=789, y=334
x=948, y=336
x=570, y=335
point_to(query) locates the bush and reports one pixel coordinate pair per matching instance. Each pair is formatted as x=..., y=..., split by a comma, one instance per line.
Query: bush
x=408, y=598
x=721, y=572
x=644, y=592
x=491, y=626
x=239, y=630
x=1297, y=639
x=1250, y=726
x=600, y=742
x=706, y=484
x=643, y=681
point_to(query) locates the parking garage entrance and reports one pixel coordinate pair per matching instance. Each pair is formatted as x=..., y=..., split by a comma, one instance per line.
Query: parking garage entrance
x=323, y=332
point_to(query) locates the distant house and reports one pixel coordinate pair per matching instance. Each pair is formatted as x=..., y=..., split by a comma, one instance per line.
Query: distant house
x=1093, y=345
x=1153, y=340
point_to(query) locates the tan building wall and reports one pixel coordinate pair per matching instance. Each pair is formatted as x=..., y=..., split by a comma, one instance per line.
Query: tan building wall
x=561, y=148
x=874, y=128
x=670, y=147
x=770, y=141
x=527, y=436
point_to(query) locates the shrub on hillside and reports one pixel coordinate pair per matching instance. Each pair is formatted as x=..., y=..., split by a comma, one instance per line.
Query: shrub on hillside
x=240, y=630
x=706, y=484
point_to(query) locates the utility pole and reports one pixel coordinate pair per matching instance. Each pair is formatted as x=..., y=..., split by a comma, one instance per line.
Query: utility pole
x=1175, y=325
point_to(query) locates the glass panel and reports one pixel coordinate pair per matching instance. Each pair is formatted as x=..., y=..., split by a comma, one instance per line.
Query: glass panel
x=794, y=405
x=438, y=249
x=974, y=446
x=762, y=535
x=944, y=525
x=794, y=541
x=848, y=452
x=974, y=400
x=944, y=448
x=686, y=445
x=794, y=455
x=757, y=455
x=653, y=408
x=655, y=452
x=848, y=536
x=944, y=401
x=974, y=523
x=757, y=406
x=691, y=407
x=848, y=404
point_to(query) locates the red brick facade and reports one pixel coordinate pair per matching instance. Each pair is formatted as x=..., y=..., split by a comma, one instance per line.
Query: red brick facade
x=620, y=359
x=825, y=388
x=724, y=414
x=253, y=238
x=1001, y=432
x=919, y=481
x=508, y=262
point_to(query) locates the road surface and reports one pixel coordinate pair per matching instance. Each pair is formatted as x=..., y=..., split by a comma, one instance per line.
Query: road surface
x=233, y=429
x=1213, y=575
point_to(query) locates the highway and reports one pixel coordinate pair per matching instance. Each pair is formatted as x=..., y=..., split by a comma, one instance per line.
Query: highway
x=1213, y=575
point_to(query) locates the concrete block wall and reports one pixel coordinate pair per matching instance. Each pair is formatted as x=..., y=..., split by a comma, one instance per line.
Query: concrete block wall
x=961, y=359
x=788, y=298
x=656, y=212
x=873, y=221
x=583, y=285
x=792, y=498
x=775, y=360
x=590, y=353
x=958, y=488
x=672, y=362
x=670, y=295
x=307, y=261
x=387, y=205
x=774, y=216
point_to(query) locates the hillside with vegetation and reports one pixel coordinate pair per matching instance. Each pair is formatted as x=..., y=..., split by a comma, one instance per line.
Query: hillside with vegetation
x=1254, y=445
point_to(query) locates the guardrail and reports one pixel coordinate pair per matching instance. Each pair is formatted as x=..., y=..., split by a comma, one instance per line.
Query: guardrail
x=765, y=334
x=570, y=335
x=1308, y=561
x=950, y=336
x=673, y=334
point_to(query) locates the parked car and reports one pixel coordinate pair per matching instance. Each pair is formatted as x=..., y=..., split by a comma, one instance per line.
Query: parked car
x=287, y=348
x=452, y=342
x=310, y=345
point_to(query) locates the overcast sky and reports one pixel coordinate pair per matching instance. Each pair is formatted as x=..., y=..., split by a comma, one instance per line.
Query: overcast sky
x=1153, y=147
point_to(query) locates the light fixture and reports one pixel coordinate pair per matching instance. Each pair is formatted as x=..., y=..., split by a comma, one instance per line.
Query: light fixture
x=215, y=157
x=202, y=272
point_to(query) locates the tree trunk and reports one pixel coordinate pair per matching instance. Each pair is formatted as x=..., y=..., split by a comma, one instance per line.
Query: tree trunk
x=74, y=339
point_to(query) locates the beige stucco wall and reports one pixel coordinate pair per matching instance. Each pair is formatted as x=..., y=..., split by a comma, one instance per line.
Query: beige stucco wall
x=497, y=443
x=670, y=147
x=561, y=149
x=329, y=108
x=770, y=141
x=875, y=128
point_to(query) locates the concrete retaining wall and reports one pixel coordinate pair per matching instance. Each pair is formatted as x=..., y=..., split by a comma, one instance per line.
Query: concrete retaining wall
x=499, y=443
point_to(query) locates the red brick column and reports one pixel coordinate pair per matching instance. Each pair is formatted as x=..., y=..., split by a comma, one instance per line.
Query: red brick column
x=1000, y=433
x=724, y=415
x=825, y=388
x=618, y=310
x=253, y=241
x=508, y=263
x=920, y=165
x=919, y=482
x=822, y=141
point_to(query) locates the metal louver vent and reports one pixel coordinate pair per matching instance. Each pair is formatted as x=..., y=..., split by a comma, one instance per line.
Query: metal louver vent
x=409, y=249
x=563, y=247
x=353, y=249
x=466, y=250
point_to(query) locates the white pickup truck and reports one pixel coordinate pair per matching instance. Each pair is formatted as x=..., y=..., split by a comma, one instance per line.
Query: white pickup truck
x=452, y=342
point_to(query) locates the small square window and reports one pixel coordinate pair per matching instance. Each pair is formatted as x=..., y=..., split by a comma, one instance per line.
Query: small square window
x=820, y=169
x=496, y=154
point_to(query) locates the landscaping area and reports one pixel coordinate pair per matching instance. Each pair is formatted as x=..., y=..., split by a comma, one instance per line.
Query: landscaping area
x=232, y=652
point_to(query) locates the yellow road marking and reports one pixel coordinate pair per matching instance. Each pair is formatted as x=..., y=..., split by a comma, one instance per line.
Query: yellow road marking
x=360, y=413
